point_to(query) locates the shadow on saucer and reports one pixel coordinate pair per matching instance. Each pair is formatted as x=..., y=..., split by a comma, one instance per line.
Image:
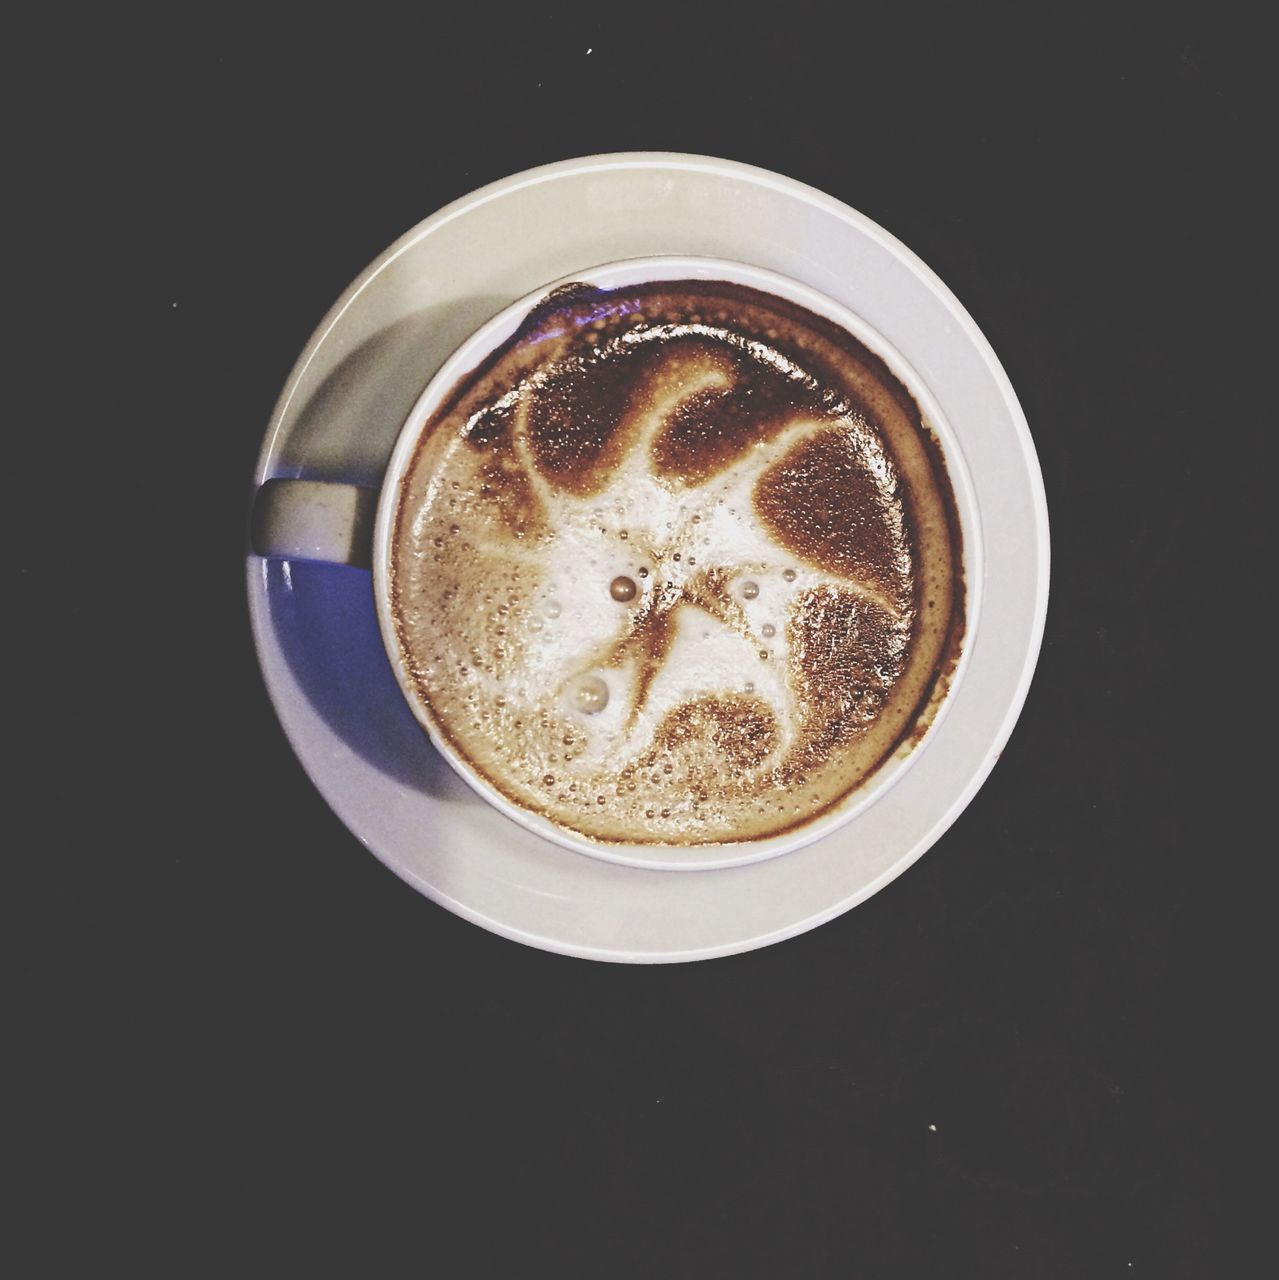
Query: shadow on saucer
x=347, y=426
x=323, y=615
x=326, y=626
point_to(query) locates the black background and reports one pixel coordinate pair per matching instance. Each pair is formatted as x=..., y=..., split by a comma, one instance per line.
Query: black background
x=243, y=1045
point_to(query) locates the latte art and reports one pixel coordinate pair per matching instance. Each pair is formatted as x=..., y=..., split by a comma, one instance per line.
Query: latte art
x=678, y=564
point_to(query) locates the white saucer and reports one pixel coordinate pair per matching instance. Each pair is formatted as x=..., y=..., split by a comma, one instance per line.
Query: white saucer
x=338, y=416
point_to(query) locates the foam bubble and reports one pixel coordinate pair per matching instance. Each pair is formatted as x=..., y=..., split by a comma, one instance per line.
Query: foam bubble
x=590, y=694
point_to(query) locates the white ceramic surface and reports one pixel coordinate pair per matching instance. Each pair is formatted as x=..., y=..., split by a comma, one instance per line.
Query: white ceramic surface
x=338, y=418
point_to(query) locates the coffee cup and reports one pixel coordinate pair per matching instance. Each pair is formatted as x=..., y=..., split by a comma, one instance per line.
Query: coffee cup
x=297, y=518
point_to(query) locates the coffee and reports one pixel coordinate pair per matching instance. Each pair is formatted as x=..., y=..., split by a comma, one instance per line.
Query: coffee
x=678, y=563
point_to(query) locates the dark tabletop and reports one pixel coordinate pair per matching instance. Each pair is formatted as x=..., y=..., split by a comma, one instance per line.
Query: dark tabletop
x=246, y=1047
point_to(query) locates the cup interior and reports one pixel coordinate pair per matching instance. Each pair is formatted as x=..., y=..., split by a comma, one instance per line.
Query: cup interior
x=617, y=275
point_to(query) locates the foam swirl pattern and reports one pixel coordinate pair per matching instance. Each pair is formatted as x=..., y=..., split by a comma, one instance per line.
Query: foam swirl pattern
x=678, y=564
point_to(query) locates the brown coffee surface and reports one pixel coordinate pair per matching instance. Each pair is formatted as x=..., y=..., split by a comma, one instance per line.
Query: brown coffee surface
x=680, y=563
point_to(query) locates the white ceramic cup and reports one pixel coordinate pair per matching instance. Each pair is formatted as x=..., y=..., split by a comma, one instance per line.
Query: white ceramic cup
x=348, y=524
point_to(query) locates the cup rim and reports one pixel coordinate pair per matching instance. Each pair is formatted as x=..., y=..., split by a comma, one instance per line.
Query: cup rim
x=618, y=273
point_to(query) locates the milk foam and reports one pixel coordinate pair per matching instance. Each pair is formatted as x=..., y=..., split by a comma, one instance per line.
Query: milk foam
x=704, y=705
